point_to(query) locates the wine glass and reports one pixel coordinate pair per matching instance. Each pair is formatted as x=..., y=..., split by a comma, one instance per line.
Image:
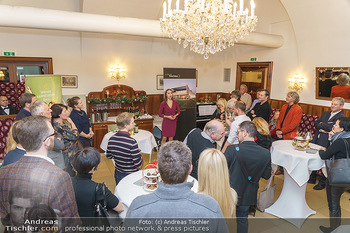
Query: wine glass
x=308, y=137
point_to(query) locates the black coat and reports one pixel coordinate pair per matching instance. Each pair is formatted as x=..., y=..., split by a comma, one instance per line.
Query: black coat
x=85, y=195
x=258, y=162
x=264, y=140
x=261, y=110
x=336, y=149
x=325, y=124
x=13, y=110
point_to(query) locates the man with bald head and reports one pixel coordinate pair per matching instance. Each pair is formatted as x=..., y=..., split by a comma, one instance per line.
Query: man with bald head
x=5, y=108
x=198, y=140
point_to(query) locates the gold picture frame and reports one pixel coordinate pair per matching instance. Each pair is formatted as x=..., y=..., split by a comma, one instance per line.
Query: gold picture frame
x=69, y=81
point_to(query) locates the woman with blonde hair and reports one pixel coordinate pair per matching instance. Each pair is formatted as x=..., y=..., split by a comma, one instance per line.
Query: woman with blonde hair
x=263, y=137
x=213, y=180
x=11, y=142
x=14, y=150
x=221, y=108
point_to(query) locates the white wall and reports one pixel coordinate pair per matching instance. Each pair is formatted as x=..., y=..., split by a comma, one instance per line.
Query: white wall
x=89, y=55
x=321, y=29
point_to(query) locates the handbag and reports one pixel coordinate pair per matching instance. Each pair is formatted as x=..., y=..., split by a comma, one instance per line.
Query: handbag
x=266, y=196
x=101, y=205
x=103, y=216
x=338, y=170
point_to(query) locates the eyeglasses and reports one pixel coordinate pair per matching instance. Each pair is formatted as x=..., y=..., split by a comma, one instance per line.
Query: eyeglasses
x=54, y=134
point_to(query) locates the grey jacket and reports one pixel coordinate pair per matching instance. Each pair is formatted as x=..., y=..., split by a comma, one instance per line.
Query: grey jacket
x=56, y=153
x=179, y=201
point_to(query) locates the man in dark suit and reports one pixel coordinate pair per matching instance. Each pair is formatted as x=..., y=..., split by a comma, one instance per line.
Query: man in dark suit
x=5, y=109
x=324, y=125
x=262, y=109
x=198, y=141
x=36, y=172
x=257, y=163
x=25, y=101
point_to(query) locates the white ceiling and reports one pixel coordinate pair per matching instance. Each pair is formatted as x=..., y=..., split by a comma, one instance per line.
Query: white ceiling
x=131, y=17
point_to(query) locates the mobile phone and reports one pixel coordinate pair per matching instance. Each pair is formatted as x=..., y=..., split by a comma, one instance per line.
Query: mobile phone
x=311, y=151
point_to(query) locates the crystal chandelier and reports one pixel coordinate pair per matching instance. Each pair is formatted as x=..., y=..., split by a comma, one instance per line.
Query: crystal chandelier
x=208, y=26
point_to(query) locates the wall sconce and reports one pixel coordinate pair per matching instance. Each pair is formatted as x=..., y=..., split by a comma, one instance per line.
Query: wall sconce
x=2, y=76
x=296, y=83
x=117, y=72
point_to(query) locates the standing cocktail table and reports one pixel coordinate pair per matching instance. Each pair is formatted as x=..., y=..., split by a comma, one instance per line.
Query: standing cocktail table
x=291, y=204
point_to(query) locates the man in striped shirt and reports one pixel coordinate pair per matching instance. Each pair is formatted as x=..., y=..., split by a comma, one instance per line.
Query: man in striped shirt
x=123, y=149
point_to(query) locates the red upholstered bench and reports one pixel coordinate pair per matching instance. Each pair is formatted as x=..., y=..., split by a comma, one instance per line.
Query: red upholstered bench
x=306, y=122
x=12, y=91
x=5, y=124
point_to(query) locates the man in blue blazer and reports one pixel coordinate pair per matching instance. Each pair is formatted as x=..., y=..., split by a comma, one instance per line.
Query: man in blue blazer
x=324, y=125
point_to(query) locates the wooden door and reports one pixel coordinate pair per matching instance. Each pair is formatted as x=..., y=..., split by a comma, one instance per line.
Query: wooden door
x=256, y=75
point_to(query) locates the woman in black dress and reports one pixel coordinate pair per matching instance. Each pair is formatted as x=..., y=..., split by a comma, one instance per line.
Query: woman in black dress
x=81, y=120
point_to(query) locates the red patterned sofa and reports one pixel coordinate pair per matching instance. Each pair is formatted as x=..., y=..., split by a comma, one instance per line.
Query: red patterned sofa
x=306, y=123
x=13, y=91
x=5, y=124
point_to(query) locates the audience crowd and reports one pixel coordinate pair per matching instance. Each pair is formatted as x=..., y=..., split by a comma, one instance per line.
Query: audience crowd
x=47, y=171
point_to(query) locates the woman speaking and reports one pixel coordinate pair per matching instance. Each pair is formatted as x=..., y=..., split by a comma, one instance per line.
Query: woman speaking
x=169, y=110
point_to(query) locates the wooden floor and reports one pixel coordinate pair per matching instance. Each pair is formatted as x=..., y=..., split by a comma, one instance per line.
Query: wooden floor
x=316, y=199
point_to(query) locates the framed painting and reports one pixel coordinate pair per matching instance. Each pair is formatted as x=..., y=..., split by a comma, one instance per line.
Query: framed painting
x=160, y=82
x=70, y=81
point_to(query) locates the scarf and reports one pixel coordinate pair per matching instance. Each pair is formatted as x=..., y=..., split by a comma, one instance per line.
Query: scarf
x=344, y=134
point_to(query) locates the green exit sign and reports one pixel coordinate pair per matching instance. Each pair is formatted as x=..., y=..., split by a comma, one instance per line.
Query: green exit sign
x=9, y=53
x=253, y=59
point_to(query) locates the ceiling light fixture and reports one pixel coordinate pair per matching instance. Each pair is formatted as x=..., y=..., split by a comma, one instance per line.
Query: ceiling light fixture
x=208, y=26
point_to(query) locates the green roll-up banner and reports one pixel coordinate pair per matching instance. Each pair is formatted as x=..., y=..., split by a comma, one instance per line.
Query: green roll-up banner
x=47, y=88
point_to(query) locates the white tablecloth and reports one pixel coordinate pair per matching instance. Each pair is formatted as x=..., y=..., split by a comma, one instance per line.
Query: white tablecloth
x=144, y=139
x=291, y=204
x=157, y=121
x=127, y=190
x=297, y=163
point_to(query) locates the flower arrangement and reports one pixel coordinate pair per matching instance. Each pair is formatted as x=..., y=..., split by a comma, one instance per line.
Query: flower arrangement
x=120, y=97
x=140, y=96
x=131, y=100
x=94, y=100
x=106, y=100
x=205, y=100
